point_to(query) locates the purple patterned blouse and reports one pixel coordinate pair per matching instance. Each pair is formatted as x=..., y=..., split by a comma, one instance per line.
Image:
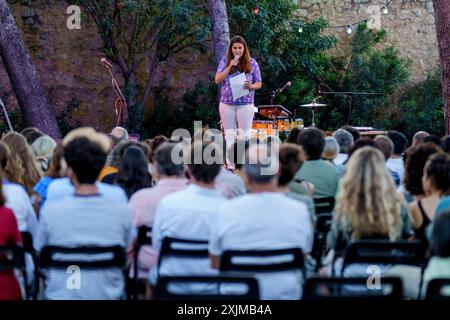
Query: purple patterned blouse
x=253, y=77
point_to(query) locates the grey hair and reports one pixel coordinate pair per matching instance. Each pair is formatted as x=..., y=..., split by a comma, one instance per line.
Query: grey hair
x=164, y=163
x=331, y=148
x=344, y=139
x=123, y=136
x=261, y=172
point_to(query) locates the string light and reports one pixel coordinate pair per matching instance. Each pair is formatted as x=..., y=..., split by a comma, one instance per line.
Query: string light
x=300, y=29
x=385, y=10
x=349, y=29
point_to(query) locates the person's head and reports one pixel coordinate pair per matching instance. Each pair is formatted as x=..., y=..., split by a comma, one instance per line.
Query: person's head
x=312, y=141
x=418, y=137
x=436, y=174
x=238, y=47
x=43, y=148
x=21, y=167
x=31, y=134
x=353, y=132
x=201, y=168
x=291, y=160
x=331, y=149
x=133, y=171
x=368, y=200
x=156, y=142
x=361, y=143
x=344, y=139
x=85, y=159
x=433, y=139
x=163, y=161
x=118, y=134
x=440, y=238
x=261, y=167
x=385, y=145
x=293, y=135
x=416, y=158
x=58, y=166
x=445, y=142
x=400, y=141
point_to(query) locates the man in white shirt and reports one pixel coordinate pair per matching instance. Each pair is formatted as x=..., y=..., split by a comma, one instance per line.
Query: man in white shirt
x=263, y=220
x=187, y=214
x=395, y=163
x=85, y=218
x=345, y=142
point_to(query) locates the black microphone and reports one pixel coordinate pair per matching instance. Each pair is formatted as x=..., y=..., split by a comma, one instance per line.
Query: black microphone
x=287, y=85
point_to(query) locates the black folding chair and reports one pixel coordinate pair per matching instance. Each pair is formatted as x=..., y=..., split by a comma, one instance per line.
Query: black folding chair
x=324, y=205
x=182, y=248
x=57, y=257
x=144, y=238
x=255, y=261
x=28, y=247
x=390, y=288
x=13, y=257
x=384, y=252
x=438, y=289
x=250, y=286
x=323, y=226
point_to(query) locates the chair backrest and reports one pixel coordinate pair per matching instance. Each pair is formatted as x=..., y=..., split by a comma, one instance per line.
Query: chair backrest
x=226, y=288
x=352, y=288
x=11, y=257
x=182, y=248
x=324, y=205
x=144, y=236
x=57, y=257
x=438, y=289
x=262, y=260
x=385, y=252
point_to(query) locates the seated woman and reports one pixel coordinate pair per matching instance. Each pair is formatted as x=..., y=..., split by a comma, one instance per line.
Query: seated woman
x=435, y=182
x=9, y=235
x=368, y=205
x=439, y=264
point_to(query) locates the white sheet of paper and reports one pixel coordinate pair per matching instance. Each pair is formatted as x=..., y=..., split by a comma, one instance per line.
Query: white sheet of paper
x=237, y=86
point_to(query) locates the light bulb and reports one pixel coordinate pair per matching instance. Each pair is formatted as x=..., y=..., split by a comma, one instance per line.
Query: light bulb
x=385, y=10
x=300, y=29
x=349, y=29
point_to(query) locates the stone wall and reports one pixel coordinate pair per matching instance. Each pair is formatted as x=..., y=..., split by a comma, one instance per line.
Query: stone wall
x=410, y=26
x=68, y=64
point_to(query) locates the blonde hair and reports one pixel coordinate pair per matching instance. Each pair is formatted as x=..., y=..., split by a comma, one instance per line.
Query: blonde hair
x=21, y=167
x=368, y=202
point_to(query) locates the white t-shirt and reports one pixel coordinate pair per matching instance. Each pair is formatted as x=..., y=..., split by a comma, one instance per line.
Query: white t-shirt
x=19, y=202
x=340, y=158
x=62, y=187
x=265, y=221
x=185, y=214
x=397, y=166
x=85, y=221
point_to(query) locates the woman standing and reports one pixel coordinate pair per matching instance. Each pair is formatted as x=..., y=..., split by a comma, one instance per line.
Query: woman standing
x=237, y=114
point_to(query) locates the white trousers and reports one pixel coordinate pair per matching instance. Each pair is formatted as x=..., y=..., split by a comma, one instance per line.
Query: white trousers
x=236, y=121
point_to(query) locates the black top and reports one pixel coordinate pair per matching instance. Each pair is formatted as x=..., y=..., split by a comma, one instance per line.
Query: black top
x=420, y=232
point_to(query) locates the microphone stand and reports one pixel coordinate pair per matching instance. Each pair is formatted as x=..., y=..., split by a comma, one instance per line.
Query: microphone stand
x=5, y=112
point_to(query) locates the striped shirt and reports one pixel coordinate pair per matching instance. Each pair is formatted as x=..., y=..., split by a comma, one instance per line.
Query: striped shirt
x=85, y=221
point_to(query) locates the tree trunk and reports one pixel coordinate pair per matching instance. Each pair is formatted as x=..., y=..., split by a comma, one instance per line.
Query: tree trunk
x=442, y=10
x=220, y=30
x=23, y=75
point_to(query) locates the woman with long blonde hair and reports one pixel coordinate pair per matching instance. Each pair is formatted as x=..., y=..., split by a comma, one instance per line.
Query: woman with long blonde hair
x=21, y=167
x=368, y=205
